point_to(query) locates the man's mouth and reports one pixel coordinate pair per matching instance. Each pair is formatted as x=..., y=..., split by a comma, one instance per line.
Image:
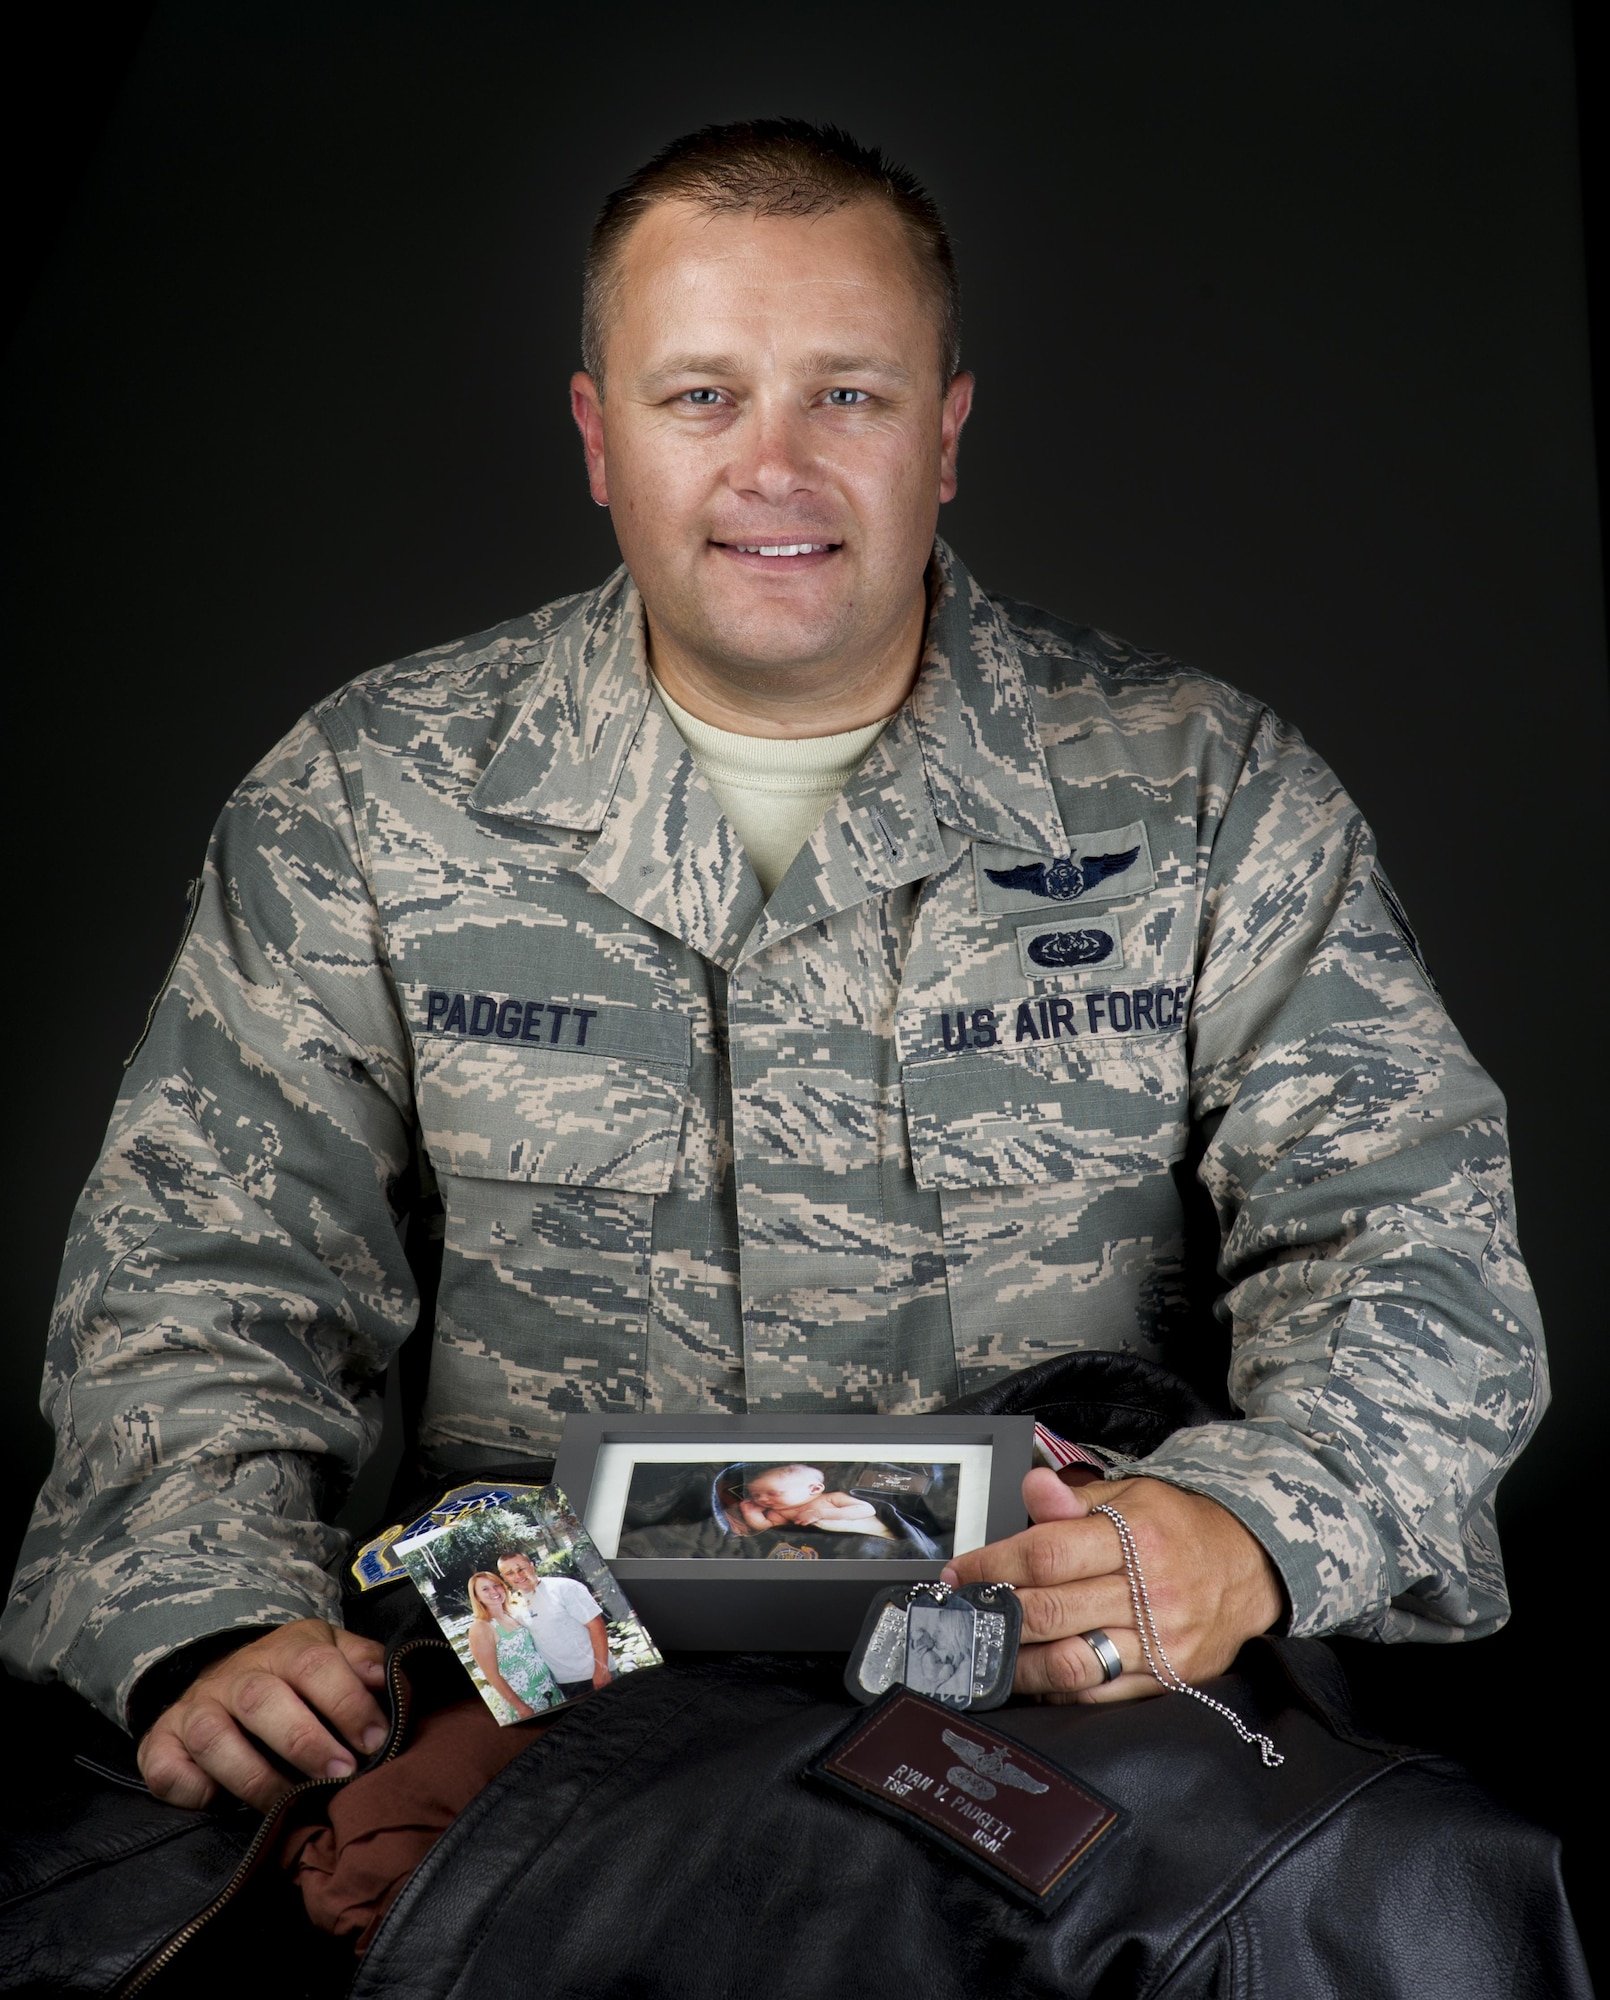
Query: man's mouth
x=784, y=555
x=781, y=548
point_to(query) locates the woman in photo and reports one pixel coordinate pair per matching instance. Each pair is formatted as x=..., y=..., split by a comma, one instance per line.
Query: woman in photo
x=505, y=1651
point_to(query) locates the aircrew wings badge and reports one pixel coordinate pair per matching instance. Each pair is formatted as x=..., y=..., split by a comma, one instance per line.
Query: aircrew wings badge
x=1097, y=867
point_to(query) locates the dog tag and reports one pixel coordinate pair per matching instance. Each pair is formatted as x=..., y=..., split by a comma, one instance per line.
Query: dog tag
x=963, y=1660
x=941, y=1640
x=882, y=1657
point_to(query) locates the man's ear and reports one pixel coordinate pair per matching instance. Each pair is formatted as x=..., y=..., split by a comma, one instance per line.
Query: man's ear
x=953, y=413
x=587, y=407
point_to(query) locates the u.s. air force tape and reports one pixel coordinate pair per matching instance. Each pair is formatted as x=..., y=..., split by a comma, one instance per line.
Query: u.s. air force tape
x=987, y=1799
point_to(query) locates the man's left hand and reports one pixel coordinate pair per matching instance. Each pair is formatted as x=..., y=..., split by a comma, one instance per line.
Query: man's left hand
x=1211, y=1585
x=602, y=1676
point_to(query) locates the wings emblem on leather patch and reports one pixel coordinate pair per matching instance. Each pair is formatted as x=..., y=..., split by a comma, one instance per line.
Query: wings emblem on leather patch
x=981, y=1766
x=1064, y=879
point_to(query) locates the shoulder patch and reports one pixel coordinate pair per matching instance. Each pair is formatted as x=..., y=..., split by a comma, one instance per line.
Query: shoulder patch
x=192, y=892
x=1399, y=920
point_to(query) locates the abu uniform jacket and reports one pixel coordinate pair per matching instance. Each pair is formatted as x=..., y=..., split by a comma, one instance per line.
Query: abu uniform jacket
x=1085, y=1019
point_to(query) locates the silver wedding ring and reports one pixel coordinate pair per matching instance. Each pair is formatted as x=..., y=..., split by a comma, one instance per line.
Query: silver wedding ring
x=1112, y=1664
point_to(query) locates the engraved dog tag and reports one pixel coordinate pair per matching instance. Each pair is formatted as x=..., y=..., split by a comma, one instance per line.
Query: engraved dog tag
x=964, y=1661
x=941, y=1640
x=882, y=1658
x=987, y=1650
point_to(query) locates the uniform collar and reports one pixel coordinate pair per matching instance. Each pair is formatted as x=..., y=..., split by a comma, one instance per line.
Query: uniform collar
x=974, y=717
x=560, y=763
x=593, y=750
x=971, y=712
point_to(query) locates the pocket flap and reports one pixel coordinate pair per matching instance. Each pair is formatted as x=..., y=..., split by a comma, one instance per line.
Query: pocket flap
x=492, y=1111
x=1000, y=1122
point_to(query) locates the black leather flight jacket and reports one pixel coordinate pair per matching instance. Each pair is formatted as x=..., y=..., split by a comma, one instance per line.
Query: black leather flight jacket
x=662, y=1841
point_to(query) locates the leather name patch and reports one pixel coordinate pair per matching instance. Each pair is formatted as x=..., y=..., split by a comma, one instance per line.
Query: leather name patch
x=1016, y=1819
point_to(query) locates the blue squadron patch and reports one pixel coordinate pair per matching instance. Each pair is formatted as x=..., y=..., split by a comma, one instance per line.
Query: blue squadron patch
x=1046, y=950
x=1096, y=868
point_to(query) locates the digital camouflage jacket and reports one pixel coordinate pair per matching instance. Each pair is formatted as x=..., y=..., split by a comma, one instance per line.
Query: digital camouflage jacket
x=1083, y=1020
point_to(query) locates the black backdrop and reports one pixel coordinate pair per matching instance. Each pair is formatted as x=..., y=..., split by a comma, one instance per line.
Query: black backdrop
x=1278, y=318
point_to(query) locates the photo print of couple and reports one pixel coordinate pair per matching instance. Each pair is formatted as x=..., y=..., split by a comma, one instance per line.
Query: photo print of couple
x=528, y=1604
x=791, y=1510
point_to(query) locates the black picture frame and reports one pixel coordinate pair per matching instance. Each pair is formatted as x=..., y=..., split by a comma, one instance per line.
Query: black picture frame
x=717, y=1604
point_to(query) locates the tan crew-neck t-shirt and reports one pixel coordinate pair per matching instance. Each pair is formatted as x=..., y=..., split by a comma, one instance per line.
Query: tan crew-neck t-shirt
x=773, y=789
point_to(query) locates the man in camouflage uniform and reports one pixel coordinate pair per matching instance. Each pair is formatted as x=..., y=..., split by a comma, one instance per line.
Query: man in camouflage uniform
x=1085, y=939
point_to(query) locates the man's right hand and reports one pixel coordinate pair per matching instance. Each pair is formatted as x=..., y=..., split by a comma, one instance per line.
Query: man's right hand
x=298, y=1691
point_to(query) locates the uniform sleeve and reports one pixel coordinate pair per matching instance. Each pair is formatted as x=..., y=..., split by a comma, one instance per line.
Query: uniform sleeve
x=1385, y=1343
x=234, y=1283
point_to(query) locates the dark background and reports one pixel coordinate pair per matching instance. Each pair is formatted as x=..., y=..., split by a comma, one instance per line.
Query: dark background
x=1279, y=319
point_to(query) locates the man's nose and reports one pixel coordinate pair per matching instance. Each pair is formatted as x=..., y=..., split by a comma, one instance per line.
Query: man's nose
x=774, y=459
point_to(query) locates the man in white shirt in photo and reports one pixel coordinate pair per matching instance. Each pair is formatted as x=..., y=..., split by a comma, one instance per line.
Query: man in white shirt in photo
x=566, y=1621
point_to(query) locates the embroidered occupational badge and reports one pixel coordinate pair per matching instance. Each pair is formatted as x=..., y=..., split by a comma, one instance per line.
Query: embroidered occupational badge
x=1062, y=880
x=1055, y=949
x=1111, y=862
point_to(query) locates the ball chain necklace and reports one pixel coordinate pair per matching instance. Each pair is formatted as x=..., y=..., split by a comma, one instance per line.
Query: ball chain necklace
x=1151, y=1644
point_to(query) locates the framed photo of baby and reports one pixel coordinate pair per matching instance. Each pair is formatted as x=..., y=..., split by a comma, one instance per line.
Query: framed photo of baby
x=789, y=1510
x=774, y=1531
x=528, y=1604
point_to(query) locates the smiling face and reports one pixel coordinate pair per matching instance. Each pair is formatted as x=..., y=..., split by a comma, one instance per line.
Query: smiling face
x=518, y=1571
x=490, y=1593
x=774, y=442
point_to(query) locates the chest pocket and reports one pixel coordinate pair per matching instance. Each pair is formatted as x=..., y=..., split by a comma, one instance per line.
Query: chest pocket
x=494, y=1112
x=1057, y=1206
x=983, y=1121
x=551, y=1163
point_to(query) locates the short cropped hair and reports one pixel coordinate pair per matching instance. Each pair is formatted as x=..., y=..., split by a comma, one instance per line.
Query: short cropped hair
x=769, y=166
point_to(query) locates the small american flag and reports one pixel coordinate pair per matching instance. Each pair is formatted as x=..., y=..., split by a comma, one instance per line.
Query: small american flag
x=1057, y=1452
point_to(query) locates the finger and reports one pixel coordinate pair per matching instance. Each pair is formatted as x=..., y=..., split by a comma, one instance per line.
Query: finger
x=216, y=1743
x=170, y=1773
x=328, y=1682
x=1138, y=1686
x=1068, y=1670
x=1062, y=1611
x=366, y=1657
x=271, y=1708
x=1052, y=1553
x=1047, y=1496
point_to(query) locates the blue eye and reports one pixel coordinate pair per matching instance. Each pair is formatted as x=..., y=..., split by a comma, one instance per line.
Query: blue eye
x=703, y=398
x=846, y=399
